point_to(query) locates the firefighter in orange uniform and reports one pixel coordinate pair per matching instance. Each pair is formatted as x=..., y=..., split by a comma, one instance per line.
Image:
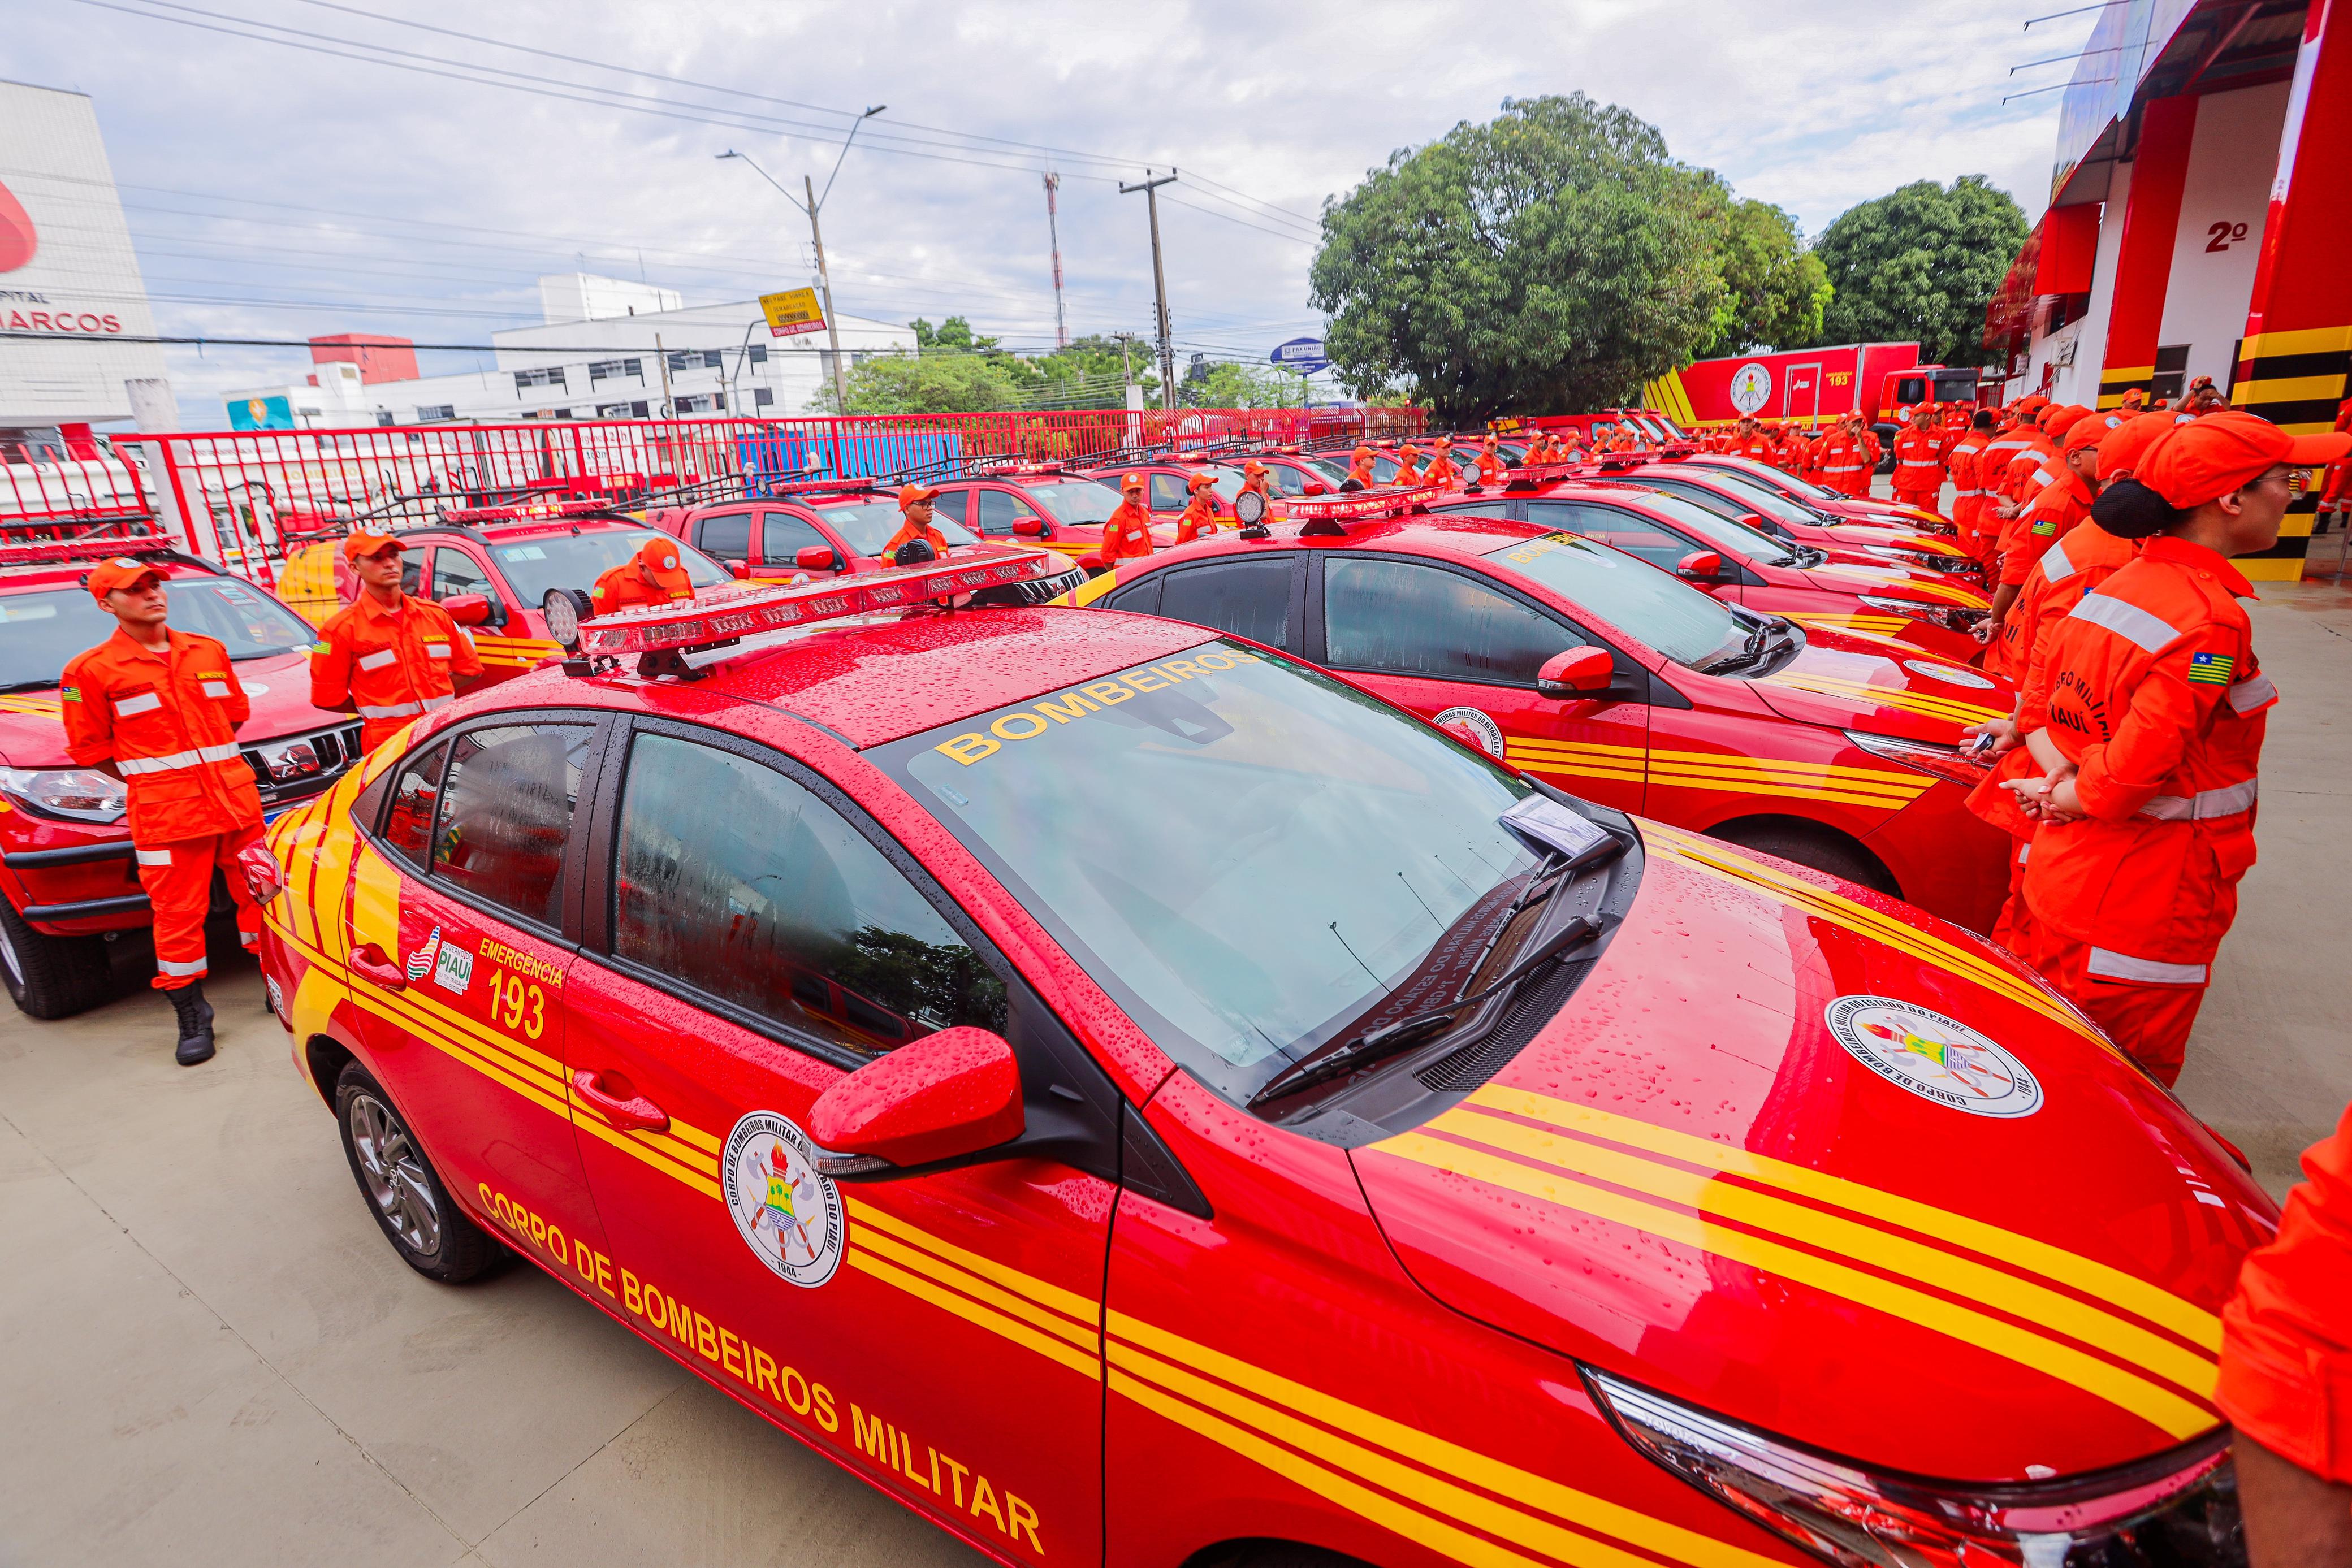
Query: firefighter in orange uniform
x=1442, y=472
x=1200, y=516
x=159, y=710
x=1845, y=458
x=1408, y=465
x=2157, y=711
x=1968, y=488
x=1492, y=469
x=654, y=575
x=915, y=503
x=388, y=656
x=2053, y=514
x=1253, y=479
x=1361, y=469
x=1126, y=532
x=2285, y=1379
x=1919, y=461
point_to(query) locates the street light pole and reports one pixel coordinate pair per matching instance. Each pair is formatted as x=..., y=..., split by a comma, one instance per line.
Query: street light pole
x=814, y=203
x=1151, y=188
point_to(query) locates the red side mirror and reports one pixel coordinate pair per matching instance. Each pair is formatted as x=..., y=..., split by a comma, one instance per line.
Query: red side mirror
x=467, y=609
x=263, y=877
x=954, y=1093
x=1700, y=566
x=740, y=567
x=1756, y=520
x=1317, y=487
x=1578, y=673
x=816, y=557
x=1029, y=528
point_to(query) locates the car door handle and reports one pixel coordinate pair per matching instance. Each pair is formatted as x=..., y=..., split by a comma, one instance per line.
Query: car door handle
x=369, y=964
x=633, y=1112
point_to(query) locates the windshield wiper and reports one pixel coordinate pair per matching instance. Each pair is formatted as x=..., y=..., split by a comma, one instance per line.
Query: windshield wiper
x=1390, y=1038
x=1754, y=652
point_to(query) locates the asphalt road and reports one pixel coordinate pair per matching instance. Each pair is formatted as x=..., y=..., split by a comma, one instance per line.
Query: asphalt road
x=208, y=1355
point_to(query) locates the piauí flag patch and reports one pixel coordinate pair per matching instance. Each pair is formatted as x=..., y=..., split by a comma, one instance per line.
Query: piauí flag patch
x=2211, y=669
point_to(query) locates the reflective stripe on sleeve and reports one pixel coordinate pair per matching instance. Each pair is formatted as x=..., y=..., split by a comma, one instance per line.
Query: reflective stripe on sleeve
x=2024, y=851
x=177, y=759
x=2129, y=621
x=431, y=705
x=2205, y=805
x=2054, y=564
x=392, y=710
x=2110, y=966
x=145, y=702
x=153, y=857
x=377, y=660
x=169, y=967
x=2248, y=695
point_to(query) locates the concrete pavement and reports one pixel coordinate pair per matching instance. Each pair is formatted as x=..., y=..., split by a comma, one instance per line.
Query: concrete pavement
x=208, y=1355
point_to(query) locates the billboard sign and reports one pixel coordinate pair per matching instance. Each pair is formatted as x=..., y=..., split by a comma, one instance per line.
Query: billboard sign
x=70, y=293
x=1301, y=356
x=793, y=312
x=260, y=413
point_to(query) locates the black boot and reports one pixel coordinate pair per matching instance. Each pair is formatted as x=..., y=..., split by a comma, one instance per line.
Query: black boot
x=195, y=1023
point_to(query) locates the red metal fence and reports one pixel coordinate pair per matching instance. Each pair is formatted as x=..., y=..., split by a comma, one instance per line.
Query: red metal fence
x=241, y=497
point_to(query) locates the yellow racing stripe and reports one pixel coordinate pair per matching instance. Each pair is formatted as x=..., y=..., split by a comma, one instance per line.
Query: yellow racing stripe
x=1083, y=1362
x=1921, y=703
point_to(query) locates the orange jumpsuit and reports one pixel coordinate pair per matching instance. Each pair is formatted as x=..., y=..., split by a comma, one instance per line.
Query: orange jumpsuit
x=908, y=532
x=2034, y=466
x=1200, y=518
x=621, y=588
x=1919, y=468
x=2061, y=506
x=2155, y=694
x=1845, y=463
x=1361, y=470
x=1408, y=472
x=168, y=723
x=1757, y=447
x=392, y=666
x=1967, y=486
x=1491, y=469
x=1126, y=533
x=2286, y=1335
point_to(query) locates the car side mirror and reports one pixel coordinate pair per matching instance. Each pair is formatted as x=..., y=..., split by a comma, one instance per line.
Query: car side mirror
x=816, y=557
x=1029, y=528
x=1317, y=487
x=740, y=567
x=954, y=1093
x=1756, y=520
x=1578, y=673
x=467, y=609
x=1700, y=566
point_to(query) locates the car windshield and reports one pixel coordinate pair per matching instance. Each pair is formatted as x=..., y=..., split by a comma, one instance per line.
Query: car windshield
x=1763, y=496
x=1686, y=625
x=1075, y=501
x=866, y=526
x=1721, y=532
x=40, y=631
x=1247, y=854
x=1229, y=481
x=577, y=560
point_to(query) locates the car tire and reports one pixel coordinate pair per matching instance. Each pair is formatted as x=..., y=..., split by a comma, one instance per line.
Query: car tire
x=51, y=977
x=1816, y=847
x=402, y=1190
x=1272, y=1554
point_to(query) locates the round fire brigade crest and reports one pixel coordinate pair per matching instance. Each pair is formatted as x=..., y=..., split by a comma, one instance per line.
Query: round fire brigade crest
x=1951, y=674
x=1751, y=387
x=790, y=1216
x=1934, y=1056
x=1478, y=723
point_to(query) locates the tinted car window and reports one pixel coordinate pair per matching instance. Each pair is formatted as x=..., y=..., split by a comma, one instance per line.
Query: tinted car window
x=456, y=572
x=951, y=505
x=727, y=536
x=1142, y=599
x=1399, y=617
x=784, y=536
x=1169, y=493
x=736, y=880
x=1629, y=532
x=1686, y=625
x=506, y=814
x=576, y=560
x=1248, y=597
x=1000, y=509
x=1076, y=501
x=408, y=820
x=40, y=631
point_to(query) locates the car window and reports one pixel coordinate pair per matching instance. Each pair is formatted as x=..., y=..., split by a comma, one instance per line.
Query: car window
x=1737, y=496
x=1704, y=519
x=1477, y=509
x=1687, y=626
x=1286, y=480
x=408, y=822
x=1247, y=598
x=1142, y=599
x=531, y=567
x=1403, y=618
x=739, y=882
x=1384, y=469
x=1169, y=493
x=951, y=505
x=866, y=526
x=40, y=631
x=727, y=536
x=1630, y=531
x=412, y=570
x=456, y=572
x=784, y=536
x=1078, y=502
x=506, y=813
x=1000, y=509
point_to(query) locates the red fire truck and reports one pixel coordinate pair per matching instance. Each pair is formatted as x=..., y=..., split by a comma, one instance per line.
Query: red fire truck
x=1881, y=381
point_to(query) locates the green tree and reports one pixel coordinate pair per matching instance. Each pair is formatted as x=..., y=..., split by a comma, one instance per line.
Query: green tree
x=1921, y=262
x=1229, y=385
x=926, y=383
x=952, y=336
x=1774, y=289
x=1086, y=373
x=1552, y=258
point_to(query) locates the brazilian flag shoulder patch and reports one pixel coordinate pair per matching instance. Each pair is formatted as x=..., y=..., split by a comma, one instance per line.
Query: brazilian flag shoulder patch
x=68, y=693
x=321, y=647
x=2211, y=669
x=2046, y=526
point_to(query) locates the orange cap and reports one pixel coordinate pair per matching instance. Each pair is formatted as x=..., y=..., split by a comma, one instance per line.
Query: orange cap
x=1410, y=451
x=659, y=559
x=1363, y=450
x=910, y=494
x=359, y=542
x=116, y=572
x=1253, y=466
x=1443, y=443
x=2090, y=429
x=2226, y=450
x=2120, y=448
x=2060, y=418
x=1131, y=482
x=1204, y=480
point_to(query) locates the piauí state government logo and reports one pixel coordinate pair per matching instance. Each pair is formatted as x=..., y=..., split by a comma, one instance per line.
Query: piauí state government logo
x=1934, y=1056
x=789, y=1215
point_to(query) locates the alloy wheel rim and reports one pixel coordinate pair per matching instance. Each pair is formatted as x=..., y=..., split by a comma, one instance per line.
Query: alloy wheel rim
x=8, y=956
x=392, y=1170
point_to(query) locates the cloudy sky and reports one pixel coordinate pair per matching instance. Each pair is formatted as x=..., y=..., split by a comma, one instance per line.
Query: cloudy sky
x=292, y=167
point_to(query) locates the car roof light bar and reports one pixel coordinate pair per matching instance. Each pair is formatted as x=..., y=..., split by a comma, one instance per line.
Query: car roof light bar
x=1323, y=516
x=540, y=511
x=60, y=552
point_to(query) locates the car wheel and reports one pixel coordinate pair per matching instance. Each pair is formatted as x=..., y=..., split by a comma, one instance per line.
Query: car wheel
x=51, y=977
x=402, y=1188
x=1816, y=847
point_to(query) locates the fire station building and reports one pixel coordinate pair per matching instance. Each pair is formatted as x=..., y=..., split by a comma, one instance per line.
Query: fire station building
x=2201, y=213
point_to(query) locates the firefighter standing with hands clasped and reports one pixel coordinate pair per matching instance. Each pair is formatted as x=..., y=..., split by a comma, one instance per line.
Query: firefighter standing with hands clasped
x=1126, y=532
x=2156, y=716
x=159, y=710
x=387, y=656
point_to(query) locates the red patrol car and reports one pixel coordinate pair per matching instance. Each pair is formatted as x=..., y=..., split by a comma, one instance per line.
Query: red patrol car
x=1821, y=497
x=1746, y=500
x=1306, y=1139
x=1839, y=752
x=1808, y=585
x=823, y=528
x=1051, y=504
x=507, y=573
x=66, y=868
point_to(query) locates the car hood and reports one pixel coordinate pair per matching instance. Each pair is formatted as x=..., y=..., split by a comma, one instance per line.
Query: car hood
x=32, y=730
x=1825, y=1166
x=1894, y=580
x=1846, y=680
x=1856, y=536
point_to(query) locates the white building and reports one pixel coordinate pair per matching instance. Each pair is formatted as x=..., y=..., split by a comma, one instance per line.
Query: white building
x=609, y=348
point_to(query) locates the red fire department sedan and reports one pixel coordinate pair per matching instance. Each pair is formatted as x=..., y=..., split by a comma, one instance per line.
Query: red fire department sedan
x=1134, y=1098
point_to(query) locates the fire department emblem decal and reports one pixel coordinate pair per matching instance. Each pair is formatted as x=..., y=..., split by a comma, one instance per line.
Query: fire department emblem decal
x=1934, y=1056
x=1751, y=387
x=789, y=1215
x=1951, y=674
x=1478, y=723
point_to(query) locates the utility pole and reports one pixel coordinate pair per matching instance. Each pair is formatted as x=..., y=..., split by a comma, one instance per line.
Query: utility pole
x=1150, y=189
x=1054, y=230
x=824, y=281
x=670, y=408
x=1126, y=371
